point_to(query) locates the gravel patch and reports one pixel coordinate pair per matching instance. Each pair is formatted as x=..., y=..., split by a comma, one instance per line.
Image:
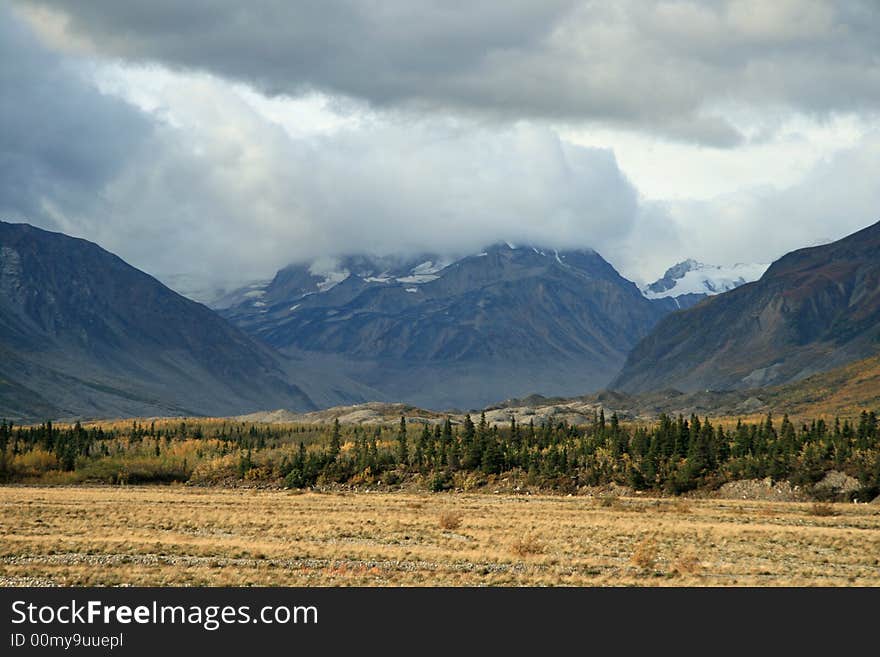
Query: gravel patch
x=761, y=489
x=103, y=560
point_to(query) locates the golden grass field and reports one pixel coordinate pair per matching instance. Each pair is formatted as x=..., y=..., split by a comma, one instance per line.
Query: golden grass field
x=190, y=536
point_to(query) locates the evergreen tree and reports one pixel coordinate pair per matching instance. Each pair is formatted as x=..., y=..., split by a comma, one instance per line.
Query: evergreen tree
x=470, y=452
x=335, y=441
x=514, y=432
x=422, y=446
x=5, y=433
x=402, y=451
x=492, y=458
x=474, y=454
x=374, y=450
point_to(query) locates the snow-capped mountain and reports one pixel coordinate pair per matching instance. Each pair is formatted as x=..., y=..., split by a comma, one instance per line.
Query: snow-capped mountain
x=691, y=277
x=501, y=323
x=324, y=274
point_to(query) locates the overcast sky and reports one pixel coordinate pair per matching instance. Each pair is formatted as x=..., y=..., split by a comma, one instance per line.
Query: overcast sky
x=225, y=139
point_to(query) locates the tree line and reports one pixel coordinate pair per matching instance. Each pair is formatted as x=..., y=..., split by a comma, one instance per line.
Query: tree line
x=671, y=455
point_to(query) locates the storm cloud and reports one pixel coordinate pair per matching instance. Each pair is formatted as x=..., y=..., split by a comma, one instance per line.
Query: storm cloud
x=223, y=141
x=209, y=186
x=668, y=67
x=256, y=198
x=60, y=139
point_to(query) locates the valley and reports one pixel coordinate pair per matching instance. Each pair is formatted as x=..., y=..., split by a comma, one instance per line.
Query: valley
x=341, y=425
x=359, y=293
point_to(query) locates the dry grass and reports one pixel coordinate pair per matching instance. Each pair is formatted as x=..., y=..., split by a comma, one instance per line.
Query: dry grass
x=527, y=546
x=181, y=535
x=821, y=509
x=608, y=500
x=681, y=505
x=450, y=520
x=645, y=554
x=688, y=563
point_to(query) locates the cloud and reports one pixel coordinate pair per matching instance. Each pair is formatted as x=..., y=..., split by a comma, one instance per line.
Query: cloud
x=60, y=140
x=665, y=66
x=195, y=178
x=244, y=194
x=187, y=173
x=836, y=197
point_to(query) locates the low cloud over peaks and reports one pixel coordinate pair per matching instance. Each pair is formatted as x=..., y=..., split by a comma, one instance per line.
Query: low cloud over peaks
x=207, y=184
x=225, y=140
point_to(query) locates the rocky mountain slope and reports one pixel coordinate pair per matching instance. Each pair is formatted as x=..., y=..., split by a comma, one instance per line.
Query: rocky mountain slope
x=84, y=334
x=813, y=310
x=505, y=322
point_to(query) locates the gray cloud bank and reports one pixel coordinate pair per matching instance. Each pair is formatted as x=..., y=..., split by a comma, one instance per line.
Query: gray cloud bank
x=668, y=67
x=223, y=193
x=59, y=139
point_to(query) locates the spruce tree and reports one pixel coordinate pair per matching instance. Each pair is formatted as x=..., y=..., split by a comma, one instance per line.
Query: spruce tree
x=374, y=450
x=5, y=432
x=473, y=455
x=335, y=441
x=492, y=459
x=422, y=446
x=402, y=451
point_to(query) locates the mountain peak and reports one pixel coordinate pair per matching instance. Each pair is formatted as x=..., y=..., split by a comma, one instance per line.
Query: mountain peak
x=694, y=277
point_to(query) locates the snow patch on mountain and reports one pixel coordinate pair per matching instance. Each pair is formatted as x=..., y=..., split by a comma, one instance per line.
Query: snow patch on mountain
x=693, y=277
x=330, y=270
x=424, y=273
x=418, y=279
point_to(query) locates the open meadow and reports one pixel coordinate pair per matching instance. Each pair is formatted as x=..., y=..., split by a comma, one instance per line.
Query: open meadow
x=182, y=535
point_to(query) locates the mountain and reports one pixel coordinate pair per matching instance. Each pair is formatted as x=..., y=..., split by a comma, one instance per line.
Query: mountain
x=505, y=322
x=813, y=310
x=83, y=334
x=690, y=282
x=270, y=300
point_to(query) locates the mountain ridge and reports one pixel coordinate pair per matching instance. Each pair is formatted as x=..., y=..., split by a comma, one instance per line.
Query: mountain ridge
x=85, y=334
x=497, y=323
x=814, y=309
